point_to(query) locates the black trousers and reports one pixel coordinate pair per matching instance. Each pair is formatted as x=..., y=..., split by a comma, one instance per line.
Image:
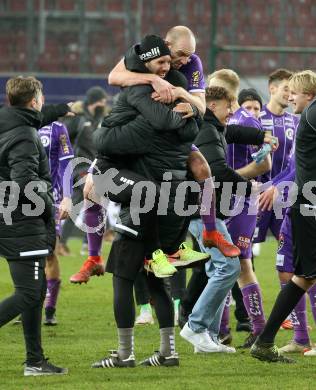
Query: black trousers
x=177, y=285
x=30, y=289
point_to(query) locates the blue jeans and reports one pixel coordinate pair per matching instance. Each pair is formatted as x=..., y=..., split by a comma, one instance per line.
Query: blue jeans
x=222, y=274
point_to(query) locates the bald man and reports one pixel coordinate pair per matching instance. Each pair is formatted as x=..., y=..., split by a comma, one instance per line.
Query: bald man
x=182, y=43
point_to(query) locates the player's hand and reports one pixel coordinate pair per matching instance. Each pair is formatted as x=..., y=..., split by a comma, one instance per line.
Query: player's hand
x=163, y=89
x=271, y=140
x=185, y=109
x=70, y=113
x=64, y=208
x=267, y=198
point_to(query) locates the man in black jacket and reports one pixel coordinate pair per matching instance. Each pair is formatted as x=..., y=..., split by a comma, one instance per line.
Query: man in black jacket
x=27, y=231
x=202, y=327
x=155, y=151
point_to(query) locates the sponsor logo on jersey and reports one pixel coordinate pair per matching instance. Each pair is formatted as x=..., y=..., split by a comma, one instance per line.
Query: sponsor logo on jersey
x=45, y=140
x=155, y=52
x=196, y=78
x=289, y=133
x=64, y=145
x=267, y=122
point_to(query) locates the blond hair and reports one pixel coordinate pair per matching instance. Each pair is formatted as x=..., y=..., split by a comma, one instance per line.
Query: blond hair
x=21, y=90
x=225, y=78
x=304, y=81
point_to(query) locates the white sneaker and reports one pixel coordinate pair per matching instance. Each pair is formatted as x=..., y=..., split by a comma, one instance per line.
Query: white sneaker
x=311, y=352
x=222, y=348
x=145, y=318
x=201, y=341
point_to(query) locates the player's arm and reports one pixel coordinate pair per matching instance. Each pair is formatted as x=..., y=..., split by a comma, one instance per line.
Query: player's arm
x=237, y=134
x=65, y=155
x=131, y=138
x=158, y=114
x=253, y=169
x=122, y=77
x=51, y=112
x=196, y=99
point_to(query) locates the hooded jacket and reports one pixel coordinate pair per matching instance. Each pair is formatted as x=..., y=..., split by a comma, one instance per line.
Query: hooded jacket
x=27, y=215
x=212, y=142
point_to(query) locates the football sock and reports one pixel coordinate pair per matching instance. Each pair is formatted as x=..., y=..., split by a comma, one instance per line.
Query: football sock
x=287, y=299
x=208, y=211
x=53, y=286
x=299, y=321
x=94, y=217
x=312, y=298
x=224, y=327
x=167, y=341
x=253, y=304
x=126, y=342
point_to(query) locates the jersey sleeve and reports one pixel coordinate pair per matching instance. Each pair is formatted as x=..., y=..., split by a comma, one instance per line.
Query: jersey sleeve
x=196, y=76
x=65, y=150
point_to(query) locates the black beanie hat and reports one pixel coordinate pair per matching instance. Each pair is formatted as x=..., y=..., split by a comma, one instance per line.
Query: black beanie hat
x=94, y=94
x=151, y=47
x=249, y=94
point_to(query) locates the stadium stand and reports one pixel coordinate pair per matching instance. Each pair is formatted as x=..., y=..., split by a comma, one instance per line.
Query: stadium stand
x=111, y=26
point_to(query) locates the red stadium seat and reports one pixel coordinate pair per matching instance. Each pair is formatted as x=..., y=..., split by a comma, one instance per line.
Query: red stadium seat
x=66, y=5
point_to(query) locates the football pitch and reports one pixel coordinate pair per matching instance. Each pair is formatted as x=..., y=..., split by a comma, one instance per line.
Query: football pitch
x=86, y=331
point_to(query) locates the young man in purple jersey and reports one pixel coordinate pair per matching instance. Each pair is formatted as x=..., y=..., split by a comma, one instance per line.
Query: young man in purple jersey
x=241, y=227
x=55, y=140
x=282, y=125
x=302, y=220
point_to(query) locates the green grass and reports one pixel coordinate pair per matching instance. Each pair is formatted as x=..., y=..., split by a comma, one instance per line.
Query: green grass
x=86, y=331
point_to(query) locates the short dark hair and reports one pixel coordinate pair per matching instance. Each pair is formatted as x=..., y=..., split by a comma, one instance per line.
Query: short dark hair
x=279, y=75
x=217, y=93
x=21, y=90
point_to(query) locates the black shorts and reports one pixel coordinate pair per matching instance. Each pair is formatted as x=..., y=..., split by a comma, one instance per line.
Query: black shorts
x=126, y=257
x=304, y=242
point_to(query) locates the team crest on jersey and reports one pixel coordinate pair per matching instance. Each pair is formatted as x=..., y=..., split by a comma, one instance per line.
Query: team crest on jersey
x=281, y=242
x=45, y=140
x=289, y=133
x=278, y=122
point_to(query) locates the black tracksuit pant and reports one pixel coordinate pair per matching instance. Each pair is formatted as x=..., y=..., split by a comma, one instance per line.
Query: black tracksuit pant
x=30, y=289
